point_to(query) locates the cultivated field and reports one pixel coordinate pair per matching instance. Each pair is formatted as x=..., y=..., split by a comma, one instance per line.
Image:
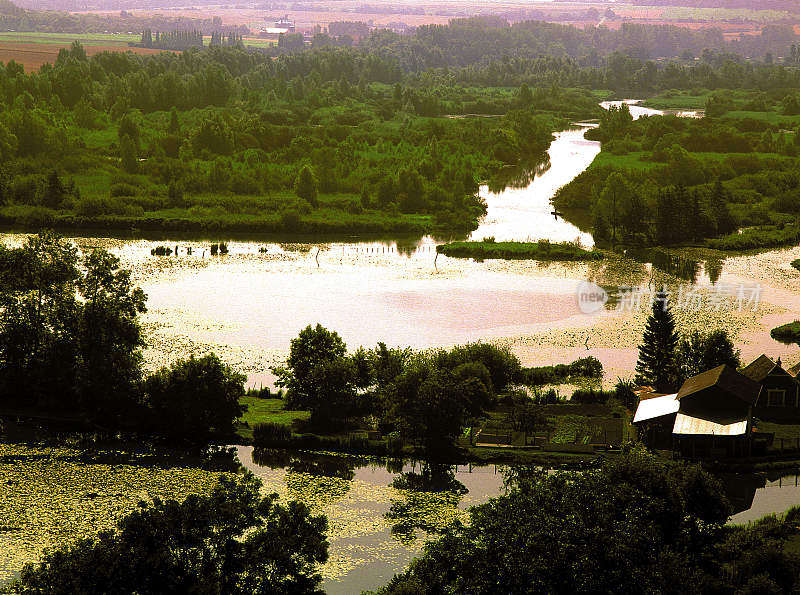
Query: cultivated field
x=87, y=39
x=33, y=55
x=417, y=13
x=34, y=49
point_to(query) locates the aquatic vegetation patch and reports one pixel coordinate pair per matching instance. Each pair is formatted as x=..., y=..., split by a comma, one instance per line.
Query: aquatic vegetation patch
x=50, y=497
x=541, y=250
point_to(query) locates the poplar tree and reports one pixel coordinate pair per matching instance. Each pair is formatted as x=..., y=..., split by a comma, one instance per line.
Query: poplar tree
x=306, y=185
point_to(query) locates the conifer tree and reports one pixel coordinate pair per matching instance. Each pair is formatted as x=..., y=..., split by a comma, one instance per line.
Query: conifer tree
x=306, y=185
x=657, y=365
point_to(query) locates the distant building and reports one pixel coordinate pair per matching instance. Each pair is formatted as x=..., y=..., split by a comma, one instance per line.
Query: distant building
x=285, y=23
x=281, y=26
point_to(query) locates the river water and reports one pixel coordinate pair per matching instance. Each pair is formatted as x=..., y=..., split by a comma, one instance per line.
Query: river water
x=247, y=305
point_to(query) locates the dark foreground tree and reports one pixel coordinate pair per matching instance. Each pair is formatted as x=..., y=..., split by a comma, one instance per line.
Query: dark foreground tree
x=195, y=396
x=233, y=541
x=638, y=524
x=70, y=337
x=657, y=365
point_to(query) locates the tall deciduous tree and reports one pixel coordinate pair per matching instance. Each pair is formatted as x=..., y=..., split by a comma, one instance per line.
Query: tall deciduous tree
x=615, y=196
x=54, y=191
x=195, y=396
x=314, y=347
x=109, y=337
x=430, y=404
x=128, y=155
x=657, y=365
x=698, y=352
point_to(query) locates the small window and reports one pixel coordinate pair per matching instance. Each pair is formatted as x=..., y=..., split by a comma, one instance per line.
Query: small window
x=776, y=397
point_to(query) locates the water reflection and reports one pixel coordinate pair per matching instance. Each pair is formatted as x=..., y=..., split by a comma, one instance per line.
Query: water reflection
x=429, y=497
x=759, y=494
x=375, y=528
x=311, y=477
x=673, y=265
x=272, y=458
x=713, y=268
x=616, y=271
x=518, y=176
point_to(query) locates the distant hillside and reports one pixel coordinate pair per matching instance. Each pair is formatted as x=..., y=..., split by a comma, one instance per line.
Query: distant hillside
x=10, y=8
x=787, y=5
x=73, y=5
x=15, y=18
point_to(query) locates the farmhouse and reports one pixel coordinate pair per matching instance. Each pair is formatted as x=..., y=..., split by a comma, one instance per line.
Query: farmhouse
x=779, y=394
x=710, y=416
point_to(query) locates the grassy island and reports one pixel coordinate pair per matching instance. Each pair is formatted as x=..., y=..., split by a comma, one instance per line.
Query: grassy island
x=787, y=333
x=542, y=250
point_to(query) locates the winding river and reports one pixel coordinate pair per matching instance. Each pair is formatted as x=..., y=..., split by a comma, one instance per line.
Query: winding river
x=247, y=305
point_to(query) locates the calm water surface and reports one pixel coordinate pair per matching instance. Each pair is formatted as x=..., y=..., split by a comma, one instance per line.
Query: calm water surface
x=378, y=523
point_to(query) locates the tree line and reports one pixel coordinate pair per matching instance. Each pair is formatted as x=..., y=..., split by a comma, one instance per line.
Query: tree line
x=70, y=347
x=55, y=20
x=424, y=398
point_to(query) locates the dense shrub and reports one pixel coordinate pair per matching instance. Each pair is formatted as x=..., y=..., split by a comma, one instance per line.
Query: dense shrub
x=764, y=237
x=586, y=367
x=592, y=396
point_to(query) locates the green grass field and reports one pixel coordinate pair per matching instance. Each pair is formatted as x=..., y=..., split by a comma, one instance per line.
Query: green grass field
x=61, y=38
x=260, y=43
x=635, y=160
x=773, y=117
x=678, y=100
x=266, y=410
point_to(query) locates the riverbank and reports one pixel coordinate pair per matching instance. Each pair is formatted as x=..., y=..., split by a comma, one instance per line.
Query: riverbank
x=541, y=250
x=181, y=221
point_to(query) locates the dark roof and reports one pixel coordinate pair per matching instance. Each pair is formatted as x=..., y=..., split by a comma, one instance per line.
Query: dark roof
x=759, y=368
x=725, y=378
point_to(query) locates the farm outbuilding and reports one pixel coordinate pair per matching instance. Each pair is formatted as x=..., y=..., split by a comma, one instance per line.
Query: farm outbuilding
x=710, y=416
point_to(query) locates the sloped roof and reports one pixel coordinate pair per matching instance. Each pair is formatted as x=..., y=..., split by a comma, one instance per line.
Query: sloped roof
x=759, y=368
x=697, y=426
x=794, y=370
x=656, y=407
x=725, y=378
